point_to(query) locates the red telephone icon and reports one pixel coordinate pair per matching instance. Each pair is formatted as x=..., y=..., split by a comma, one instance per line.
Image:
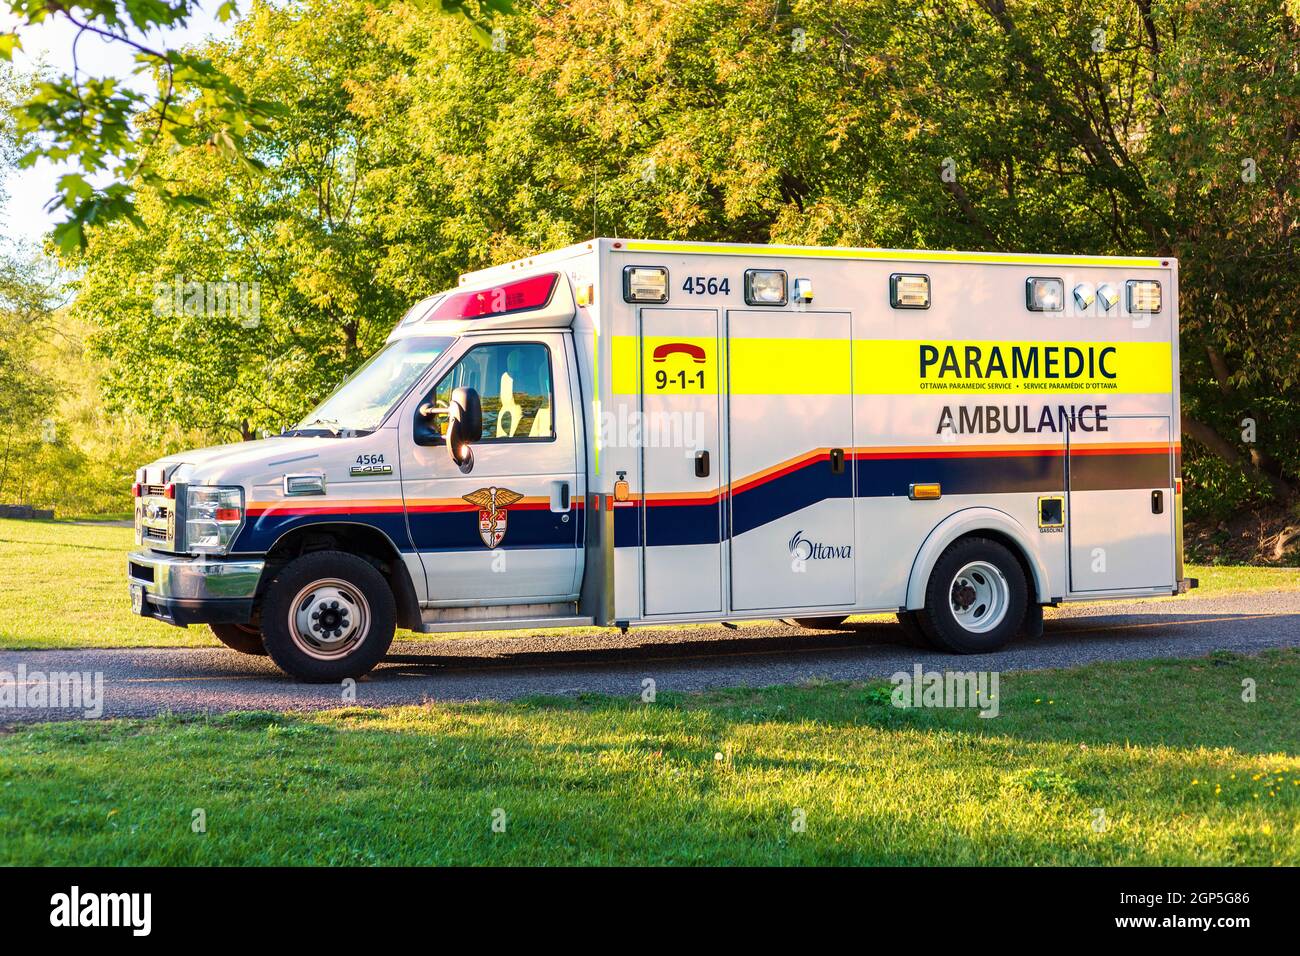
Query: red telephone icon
x=696, y=353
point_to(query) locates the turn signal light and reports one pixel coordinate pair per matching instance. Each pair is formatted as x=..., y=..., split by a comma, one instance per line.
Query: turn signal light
x=924, y=492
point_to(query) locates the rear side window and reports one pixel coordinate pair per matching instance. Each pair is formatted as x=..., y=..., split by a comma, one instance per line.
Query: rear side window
x=513, y=380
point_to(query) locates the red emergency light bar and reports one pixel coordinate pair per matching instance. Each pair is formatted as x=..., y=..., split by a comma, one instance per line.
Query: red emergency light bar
x=519, y=296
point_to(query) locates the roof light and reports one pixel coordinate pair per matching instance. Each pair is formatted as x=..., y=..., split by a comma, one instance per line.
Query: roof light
x=1044, y=295
x=1143, y=295
x=1108, y=296
x=1084, y=296
x=909, y=291
x=523, y=295
x=765, y=286
x=645, y=284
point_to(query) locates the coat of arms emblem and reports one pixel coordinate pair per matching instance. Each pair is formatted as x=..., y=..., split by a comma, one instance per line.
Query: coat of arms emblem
x=492, y=504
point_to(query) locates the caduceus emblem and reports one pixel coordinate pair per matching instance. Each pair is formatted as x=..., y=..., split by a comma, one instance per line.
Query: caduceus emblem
x=492, y=504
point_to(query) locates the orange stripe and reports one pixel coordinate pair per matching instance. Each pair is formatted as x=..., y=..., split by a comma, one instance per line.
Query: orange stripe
x=865, y=453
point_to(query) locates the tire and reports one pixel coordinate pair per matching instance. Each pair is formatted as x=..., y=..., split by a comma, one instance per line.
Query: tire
x=328, y=616
x=818, y=623
x=976, y=598
x=239, y=637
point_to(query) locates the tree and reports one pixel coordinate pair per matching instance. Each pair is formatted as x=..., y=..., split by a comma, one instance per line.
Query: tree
x=408, y=153
x=107, y=127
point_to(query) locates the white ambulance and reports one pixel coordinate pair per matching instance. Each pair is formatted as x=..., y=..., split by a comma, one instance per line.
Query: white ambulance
x=630, y=432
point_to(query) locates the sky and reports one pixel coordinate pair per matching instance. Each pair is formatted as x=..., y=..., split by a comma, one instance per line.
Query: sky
x=50, y=44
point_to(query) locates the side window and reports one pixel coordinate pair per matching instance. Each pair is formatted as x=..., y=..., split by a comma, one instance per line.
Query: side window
x=513, y=380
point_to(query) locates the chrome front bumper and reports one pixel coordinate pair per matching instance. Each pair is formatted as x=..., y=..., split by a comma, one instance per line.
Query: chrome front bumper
x=186, y=590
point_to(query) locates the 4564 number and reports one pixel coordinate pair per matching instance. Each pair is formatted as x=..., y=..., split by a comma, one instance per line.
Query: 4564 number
x=707, y=285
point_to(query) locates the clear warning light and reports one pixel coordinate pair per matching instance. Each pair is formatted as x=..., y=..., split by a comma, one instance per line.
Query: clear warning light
x=909, y=291
x=1044, y=295
x=1143, y=295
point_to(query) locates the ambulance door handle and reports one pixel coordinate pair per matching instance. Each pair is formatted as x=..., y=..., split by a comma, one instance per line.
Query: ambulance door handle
x=702, y=465
x=560, y=496
x=1157, y=502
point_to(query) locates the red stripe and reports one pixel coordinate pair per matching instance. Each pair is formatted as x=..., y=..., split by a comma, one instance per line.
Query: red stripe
x=332, y=510
x=796, y=466
x=1029, y=453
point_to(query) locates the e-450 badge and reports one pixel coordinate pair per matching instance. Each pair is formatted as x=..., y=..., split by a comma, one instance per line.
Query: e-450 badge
x=492, y=504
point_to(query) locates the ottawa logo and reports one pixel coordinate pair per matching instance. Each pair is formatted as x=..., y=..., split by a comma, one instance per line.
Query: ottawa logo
x=492, y=504
x=801, y=549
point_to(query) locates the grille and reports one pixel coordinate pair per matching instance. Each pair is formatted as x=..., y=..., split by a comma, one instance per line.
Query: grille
x=152, y=491
x=154, y=534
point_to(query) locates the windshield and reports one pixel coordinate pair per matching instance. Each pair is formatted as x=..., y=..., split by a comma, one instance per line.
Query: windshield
x=365, y=397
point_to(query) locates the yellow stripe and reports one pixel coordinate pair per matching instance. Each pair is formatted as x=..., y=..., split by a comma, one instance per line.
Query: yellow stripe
x=768, y=366
x=900, y=367
x=895, y=255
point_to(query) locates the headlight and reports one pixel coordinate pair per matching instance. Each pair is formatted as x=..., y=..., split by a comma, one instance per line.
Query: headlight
x=213, y=515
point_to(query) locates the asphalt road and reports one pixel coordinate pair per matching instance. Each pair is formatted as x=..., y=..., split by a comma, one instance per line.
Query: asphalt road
x=148, y=681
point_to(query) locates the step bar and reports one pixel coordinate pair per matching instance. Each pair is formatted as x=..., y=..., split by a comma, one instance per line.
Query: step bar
x=504, y=617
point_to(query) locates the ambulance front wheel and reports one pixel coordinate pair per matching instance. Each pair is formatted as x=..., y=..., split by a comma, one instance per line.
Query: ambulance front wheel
x=976, y=597
x=328, y=616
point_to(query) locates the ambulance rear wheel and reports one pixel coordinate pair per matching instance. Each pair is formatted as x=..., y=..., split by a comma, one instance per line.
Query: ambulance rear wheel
x=975, y=599
x=239, y=637
x=328, y=616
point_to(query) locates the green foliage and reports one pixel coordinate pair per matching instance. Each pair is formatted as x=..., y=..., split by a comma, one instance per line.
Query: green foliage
x=1214, y=490
x=107, y=127
x=408, y=150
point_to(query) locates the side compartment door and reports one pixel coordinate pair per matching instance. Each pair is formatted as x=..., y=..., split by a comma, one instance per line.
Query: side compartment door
x=1121, y=508
x=790, y=435
x=680, y=461
x=506, y=532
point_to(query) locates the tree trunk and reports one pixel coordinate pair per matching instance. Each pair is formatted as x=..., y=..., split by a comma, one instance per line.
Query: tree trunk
x=1221, y=447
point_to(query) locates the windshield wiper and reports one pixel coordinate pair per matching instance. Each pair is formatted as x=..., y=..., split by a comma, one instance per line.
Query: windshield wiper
x=330, y=426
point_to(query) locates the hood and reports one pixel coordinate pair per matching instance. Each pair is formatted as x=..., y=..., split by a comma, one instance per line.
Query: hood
x=239, y=463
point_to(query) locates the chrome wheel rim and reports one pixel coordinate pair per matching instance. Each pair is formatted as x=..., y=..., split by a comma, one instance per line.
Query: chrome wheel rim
x=979, y=597
x=329, y=619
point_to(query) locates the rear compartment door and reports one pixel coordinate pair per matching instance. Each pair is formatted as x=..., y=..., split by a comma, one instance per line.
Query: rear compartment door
x=1121, y=507
x=790, y=437
x=680, y=461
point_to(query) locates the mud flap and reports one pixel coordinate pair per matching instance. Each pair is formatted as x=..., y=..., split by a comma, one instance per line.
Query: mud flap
x=1032, y=625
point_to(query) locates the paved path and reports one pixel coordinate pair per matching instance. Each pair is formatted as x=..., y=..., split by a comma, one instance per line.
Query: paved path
x=147, y=681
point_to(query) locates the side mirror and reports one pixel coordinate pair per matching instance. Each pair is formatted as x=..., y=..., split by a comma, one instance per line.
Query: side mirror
x=464, y=426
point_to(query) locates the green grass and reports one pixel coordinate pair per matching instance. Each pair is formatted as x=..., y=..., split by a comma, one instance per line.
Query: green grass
x=64, y=585
x=1180, y=769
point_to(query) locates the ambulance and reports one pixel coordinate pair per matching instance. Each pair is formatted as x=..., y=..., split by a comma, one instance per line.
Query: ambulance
x=634, y=432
